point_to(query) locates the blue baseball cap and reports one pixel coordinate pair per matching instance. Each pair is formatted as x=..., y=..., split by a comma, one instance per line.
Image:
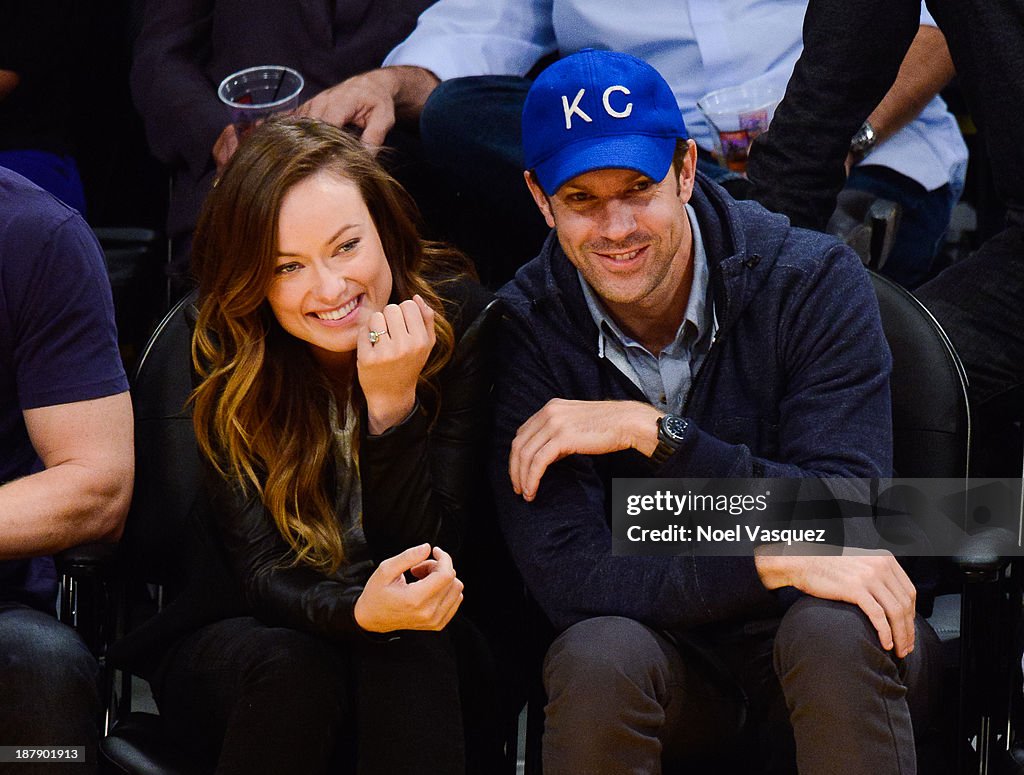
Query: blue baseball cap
x=599, y=110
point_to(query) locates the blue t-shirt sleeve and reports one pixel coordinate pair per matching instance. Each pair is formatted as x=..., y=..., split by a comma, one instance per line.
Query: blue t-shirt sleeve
x=62, y=315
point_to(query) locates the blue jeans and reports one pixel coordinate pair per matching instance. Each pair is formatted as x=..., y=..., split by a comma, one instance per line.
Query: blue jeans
x=48, y=691
x=923, y=221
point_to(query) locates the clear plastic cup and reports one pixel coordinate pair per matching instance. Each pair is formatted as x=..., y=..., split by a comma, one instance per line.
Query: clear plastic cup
x=257, y=92
x=738, y=114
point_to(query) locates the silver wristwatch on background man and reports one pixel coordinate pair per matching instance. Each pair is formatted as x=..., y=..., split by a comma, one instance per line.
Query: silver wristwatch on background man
x=863, y=141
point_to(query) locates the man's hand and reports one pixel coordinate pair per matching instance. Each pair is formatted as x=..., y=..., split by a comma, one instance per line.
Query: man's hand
x=564, y=428
x=389, y=602
x=373, y=100
x=9, y=81
x=225, y=146
x=389, y=370
x=871, y=580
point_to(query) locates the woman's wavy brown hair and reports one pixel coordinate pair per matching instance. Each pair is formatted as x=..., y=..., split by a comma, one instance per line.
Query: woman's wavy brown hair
x=261, y=408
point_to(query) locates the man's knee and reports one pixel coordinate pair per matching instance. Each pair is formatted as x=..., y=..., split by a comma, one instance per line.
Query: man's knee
x=606, y=654
x=38, y=648
x=40, y=659
x=831, y=631
x=452, y=98
x=621, y=698
x=828, y=654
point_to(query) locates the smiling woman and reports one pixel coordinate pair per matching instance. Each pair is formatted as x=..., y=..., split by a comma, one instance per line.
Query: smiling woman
x=339, y=459
x=331, y=273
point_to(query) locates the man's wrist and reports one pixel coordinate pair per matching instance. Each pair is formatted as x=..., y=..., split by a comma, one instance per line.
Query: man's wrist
x=409, y=86
x=863, y=142
x=772, y=568
x=672, y=432
x=644, y=429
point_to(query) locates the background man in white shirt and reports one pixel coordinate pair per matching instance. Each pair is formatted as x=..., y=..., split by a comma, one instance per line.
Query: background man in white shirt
x=471, y=128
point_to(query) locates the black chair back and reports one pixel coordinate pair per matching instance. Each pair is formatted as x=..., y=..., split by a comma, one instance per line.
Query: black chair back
x=932, y=437
x=931, y=421
x=168, y=468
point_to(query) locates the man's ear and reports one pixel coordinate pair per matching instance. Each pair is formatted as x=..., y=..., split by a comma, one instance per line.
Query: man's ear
x=688, y=171
x=543, y=203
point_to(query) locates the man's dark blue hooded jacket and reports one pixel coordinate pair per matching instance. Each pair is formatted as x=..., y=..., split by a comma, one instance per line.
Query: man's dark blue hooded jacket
x=795, y=384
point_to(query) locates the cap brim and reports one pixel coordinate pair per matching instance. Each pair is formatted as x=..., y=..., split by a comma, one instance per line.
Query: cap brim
x=651, y=156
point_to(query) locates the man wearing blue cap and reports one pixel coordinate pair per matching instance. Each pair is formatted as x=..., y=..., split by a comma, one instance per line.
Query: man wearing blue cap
x=666, y=330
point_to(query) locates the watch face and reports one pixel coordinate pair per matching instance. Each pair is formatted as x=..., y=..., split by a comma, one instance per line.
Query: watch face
x=674, y=427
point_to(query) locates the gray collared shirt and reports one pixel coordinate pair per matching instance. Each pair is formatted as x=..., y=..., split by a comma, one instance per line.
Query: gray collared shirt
x=664, y=378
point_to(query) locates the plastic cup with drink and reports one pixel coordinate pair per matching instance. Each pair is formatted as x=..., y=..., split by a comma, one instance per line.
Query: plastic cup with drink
x=255, y=93
x=738, y=114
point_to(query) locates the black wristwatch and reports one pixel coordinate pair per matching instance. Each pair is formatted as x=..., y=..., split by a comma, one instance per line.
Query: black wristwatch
x=671, y=435
x=863, y=141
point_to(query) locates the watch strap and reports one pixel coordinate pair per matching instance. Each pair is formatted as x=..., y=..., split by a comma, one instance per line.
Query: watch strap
x=668, y=444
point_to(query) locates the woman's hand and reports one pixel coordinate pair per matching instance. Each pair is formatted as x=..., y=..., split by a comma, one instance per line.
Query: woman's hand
x=389, y=602
x=225, y=146
x=388, y=369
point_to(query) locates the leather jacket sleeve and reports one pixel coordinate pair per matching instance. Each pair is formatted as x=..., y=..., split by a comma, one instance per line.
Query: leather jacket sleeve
x=416, y=477
x=276, y=591
x=413, y=481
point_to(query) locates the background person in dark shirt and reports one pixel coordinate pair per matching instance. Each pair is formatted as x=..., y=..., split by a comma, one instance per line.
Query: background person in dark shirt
x=66, y=459
x=185, y=49
x=852, y=52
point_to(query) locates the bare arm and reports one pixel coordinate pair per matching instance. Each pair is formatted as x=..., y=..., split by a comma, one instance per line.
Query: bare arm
x=372, y=101
x=852, y=53
x=925, y=71
x=84, y=491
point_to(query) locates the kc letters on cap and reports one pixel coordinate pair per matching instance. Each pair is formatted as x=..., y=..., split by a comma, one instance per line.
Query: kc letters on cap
x=599, y=110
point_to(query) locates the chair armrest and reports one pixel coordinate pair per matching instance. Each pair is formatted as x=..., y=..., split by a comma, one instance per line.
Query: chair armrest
x=984, y=555
x=87, y=558
x=89, y=592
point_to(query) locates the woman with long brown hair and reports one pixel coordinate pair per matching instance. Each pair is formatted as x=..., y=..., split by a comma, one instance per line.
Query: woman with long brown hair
x=340, y=401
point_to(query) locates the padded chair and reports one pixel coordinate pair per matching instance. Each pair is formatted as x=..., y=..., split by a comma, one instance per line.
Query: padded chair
x=89, y=600
x=168, y=473
x=867, y=223
x=89, y=591
x=977, y=618
x=931, y=421
x=134, y=265
x=166, y=482
x=931, y=435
